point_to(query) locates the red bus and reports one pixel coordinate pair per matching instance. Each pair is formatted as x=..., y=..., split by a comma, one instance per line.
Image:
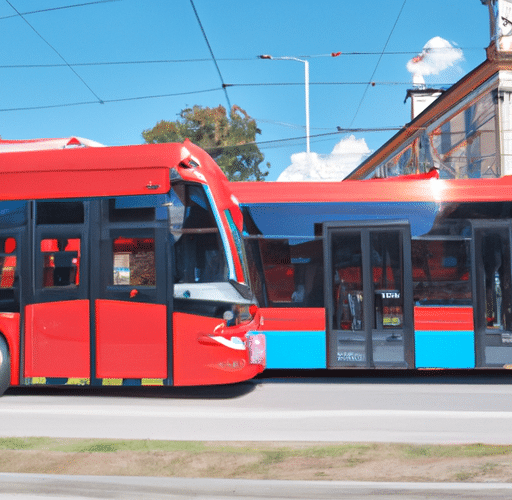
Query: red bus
x=122, y=266
x=391, y=273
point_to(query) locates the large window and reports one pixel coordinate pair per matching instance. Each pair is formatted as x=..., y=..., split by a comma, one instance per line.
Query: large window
x=290, y=272
x=441, y=272
x=461, y=146
x=199, y=254
x=465, y=145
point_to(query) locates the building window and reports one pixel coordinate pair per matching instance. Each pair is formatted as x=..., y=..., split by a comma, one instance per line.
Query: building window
x=463, y=146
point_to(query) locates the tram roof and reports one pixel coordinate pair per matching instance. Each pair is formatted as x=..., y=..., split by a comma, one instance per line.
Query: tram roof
x=30, y=173
x=394, y=189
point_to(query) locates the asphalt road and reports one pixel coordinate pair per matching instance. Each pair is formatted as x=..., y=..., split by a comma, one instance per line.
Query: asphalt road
x=425, y=408
x=35, y=487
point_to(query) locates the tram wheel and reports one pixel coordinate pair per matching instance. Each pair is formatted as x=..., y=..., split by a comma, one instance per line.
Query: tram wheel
x=5, y=366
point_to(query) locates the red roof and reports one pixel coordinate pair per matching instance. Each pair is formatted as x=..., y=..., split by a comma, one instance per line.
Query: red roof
x=103, y=171
x=392, y=190
x=9, y=146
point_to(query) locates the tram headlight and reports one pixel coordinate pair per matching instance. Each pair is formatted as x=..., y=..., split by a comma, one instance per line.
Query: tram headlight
x=239, y=313
x=229, y=317
x=256, y=344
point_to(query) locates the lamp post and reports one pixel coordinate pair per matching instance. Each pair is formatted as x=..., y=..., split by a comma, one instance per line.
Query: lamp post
x=306, y=85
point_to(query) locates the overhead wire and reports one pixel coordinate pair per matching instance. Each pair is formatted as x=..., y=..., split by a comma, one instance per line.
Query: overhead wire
x=56, y=51
x=286, y=142
x=273, y=143
x=58, y=8
x=378, y=62
x=379, y=53
x=194, y=60
x=296, y=84
x=108, y=101
x=316, y=136
x=211, y=53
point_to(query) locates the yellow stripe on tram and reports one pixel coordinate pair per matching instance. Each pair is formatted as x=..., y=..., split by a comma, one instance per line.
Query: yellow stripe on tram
x=152, y=381
x=37, y=380
x=78, y=381
x=112, y=381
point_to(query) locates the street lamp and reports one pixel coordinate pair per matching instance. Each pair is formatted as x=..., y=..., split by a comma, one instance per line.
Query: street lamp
x=306, y=85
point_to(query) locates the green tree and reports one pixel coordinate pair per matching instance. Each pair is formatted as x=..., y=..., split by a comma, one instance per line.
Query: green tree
x=230, y=141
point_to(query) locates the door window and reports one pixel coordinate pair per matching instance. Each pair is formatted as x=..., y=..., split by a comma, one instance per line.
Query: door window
x=347, y=281
x=9, y=301
x=386, y=263
x=61, y=262
x=386, y=258
x=496, y=269
x=134, y=261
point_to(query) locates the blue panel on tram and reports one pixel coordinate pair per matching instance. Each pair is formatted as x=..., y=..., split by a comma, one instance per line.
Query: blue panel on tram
x=445, y=349
x=295, y=349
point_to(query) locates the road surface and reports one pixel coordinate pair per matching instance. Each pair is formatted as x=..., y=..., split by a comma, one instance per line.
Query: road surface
x=418, y=409
x=36, y=487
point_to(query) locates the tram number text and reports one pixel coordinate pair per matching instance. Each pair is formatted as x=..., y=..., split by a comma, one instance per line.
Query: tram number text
x=350, y=356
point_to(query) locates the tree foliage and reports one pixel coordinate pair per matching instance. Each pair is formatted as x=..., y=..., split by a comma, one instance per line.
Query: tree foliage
x=230, y=141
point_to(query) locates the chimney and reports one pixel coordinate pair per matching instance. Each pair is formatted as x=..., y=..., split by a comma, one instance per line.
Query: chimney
x=421, y=98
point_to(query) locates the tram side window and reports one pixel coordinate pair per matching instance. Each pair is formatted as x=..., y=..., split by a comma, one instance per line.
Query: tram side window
x=440, y=270
x=292, y=272
x=61, y=262
x=60, y=212
x=199, y=253
x=278, y=271
x=134, y=261
x=8, y=296
x=143, y=208
x=255, y=269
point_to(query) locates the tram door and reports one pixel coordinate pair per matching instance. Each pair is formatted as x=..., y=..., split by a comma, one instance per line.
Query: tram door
x=369, y=295
x=492, y=293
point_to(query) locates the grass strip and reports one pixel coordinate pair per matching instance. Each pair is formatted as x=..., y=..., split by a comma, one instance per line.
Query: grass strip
x=258, y=460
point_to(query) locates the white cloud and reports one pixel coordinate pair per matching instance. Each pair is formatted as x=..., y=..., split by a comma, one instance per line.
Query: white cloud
x=437, y=55
x=344, y=158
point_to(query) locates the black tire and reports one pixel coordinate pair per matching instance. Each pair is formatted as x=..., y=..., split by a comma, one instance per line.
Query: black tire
x=5, y=366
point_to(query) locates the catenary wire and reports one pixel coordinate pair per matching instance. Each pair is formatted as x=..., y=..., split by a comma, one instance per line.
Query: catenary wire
x=284, y=84
x=178, y=61
x=58, y=8
x=109, y=101
x=276, y=143
x=55, y=50
x=314, y=136
x=211, y=53
x=378, y=62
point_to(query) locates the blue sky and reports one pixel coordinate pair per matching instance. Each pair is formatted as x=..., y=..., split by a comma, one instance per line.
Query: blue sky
x=96, y=40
